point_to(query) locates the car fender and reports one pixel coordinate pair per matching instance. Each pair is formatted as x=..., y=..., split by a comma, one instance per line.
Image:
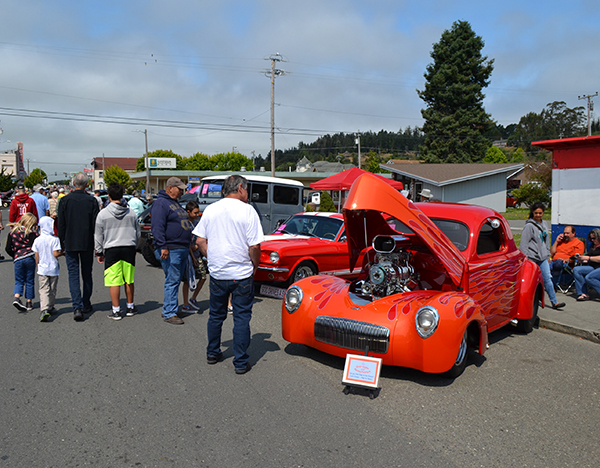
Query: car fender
x=531, y=279
x=457, y=313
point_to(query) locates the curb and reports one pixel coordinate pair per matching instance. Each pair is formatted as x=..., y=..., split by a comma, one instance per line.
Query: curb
x=568, y=330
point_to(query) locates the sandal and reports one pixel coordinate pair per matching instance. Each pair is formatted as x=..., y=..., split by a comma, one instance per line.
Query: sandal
x=583, y=297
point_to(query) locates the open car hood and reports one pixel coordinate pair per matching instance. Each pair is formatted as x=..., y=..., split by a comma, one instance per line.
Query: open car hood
x=369, y=198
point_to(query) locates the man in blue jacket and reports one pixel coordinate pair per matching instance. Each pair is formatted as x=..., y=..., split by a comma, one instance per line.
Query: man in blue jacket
x=172, y=233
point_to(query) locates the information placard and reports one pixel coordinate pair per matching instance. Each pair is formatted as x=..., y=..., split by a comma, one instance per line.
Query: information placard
x=361, y=371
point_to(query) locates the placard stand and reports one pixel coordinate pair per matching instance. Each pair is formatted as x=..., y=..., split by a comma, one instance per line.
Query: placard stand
x=362, y=372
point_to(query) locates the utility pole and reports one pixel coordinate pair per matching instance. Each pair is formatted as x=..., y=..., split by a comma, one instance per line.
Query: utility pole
x=272, y=74
x=147, y=164
x=357, y=141
x=590, y=107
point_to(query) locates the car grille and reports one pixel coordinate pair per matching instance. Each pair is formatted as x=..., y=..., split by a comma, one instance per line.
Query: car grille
x=352, y=334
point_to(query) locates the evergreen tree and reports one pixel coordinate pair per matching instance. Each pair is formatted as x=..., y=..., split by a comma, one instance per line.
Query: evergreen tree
x=455, y=120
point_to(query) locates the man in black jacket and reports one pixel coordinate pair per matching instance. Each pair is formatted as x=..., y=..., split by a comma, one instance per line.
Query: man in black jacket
x=76, y=223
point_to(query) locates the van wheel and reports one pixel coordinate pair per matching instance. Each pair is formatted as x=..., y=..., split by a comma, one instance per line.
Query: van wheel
x=303, y=270
x=148, y=253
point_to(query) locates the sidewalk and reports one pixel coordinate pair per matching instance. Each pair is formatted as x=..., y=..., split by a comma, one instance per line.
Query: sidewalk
x=580, y=319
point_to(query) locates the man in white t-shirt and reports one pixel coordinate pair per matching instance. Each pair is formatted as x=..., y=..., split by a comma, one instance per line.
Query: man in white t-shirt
x=229, y=235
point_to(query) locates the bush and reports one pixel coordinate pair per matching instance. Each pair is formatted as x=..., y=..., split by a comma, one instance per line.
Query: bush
x=530, y=193
x=327, y=204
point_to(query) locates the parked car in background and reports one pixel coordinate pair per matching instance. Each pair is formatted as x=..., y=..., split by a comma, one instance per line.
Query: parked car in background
x=511, y=201
x=436, y=279
x=304, y=245
x=274, y=199
x=6, y=197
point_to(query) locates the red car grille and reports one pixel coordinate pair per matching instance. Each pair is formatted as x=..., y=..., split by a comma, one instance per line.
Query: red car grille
x=352, y=334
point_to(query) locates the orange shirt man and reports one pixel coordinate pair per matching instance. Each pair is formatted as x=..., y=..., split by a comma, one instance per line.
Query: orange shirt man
x=564, y=247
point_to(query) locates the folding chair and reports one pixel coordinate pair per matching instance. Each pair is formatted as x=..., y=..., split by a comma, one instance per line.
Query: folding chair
x=565, y=286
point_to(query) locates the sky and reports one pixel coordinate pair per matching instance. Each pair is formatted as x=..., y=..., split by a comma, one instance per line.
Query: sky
x=82, y=79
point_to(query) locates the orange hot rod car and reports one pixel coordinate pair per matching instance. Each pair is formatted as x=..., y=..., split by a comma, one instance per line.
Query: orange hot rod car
x=436, y=279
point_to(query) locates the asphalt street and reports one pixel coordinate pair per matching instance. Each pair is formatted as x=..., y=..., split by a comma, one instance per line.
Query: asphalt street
x=139, y=393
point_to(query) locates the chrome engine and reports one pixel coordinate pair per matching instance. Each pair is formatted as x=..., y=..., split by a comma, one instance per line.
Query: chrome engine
x=391, y=271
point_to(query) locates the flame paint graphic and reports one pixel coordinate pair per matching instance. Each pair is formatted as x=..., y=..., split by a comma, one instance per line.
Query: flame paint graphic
x=331, y=287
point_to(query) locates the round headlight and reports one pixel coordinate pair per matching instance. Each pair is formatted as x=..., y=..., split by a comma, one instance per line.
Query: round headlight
x=426, y=321
x=274, y=257
x=293, y=299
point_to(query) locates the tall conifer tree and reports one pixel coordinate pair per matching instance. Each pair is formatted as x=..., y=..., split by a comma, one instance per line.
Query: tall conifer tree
x=455, y=120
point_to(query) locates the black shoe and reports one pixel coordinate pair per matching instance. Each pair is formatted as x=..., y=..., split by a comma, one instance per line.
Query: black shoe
x=243, y=370
x=558, y=305
x=88, y=310
x=45, y=316
x=131, y=311
x=19, y=305
x=214, y=359
x=52, y=311
x=78, y=315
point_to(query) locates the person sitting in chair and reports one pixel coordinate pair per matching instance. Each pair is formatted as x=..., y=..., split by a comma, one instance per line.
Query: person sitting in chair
x=588, y=273
x=564, y=247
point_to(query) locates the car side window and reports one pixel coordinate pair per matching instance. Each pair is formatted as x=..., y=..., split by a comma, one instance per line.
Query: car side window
x=259, y=193
x=457, y=232
x=283, y=195
x=490, y=238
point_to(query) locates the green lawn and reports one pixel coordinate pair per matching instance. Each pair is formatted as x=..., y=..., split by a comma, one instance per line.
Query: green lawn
x=516, y=213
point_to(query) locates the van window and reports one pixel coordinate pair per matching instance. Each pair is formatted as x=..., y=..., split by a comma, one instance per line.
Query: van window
x=259, y=193
x=211, y=189
x=283, y=195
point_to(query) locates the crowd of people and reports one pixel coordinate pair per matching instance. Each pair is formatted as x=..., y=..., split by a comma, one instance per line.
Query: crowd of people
x=224, y=244
x=563, y=258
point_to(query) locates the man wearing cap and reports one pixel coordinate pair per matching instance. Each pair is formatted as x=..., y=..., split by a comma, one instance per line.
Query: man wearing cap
x=21, y=204
x=41, y=201
x=172, y=233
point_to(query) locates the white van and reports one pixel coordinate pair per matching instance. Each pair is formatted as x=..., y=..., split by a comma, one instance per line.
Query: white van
x=275, y=199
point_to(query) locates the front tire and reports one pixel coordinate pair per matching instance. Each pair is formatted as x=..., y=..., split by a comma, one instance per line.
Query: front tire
x=461, y=359
x=303, y=270
x=526, y=325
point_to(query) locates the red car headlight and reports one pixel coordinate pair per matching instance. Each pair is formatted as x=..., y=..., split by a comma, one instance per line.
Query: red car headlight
x=426, y=321
x=293, y=299
x=274, y=257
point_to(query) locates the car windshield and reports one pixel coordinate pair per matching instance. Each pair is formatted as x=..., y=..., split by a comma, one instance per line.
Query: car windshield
x=323, y=227
x=211, y=189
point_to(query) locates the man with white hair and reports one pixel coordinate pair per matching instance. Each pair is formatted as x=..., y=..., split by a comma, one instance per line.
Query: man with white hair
x=76, y=223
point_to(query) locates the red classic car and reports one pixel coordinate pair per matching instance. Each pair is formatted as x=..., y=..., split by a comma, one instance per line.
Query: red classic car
x=306, y=244
x=437, y=278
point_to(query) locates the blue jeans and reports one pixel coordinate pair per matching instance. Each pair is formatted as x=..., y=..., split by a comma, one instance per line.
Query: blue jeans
x=556, y=269
x=84, y=260
x=25, y=277
x=174, y=267
x=242, y=297
x=548, y=285
x=586, y=277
